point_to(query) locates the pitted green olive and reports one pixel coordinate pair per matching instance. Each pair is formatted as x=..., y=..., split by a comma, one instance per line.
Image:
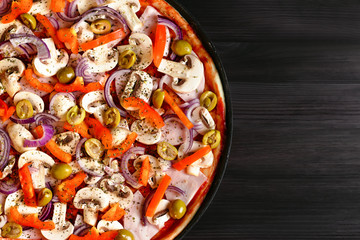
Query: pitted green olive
x=11, y=230
x=24, y=109
x=181, y=47
x=177, y=209
x=61, y=171
x=212, y=138
x=124, y=234
x=65, y=75
x=208, y=100
x=44, y=197
x=94, y=148
x=28, y=20
x=158, y=98
x=75, y=115
x=127, y=59
x=112, y=117
x=167, y=151
x=100, y=26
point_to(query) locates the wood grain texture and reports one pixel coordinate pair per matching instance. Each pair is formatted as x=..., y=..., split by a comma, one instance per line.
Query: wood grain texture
x=294, y=74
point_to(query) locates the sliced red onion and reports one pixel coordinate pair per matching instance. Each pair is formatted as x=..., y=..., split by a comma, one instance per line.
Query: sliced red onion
x=22, y=121
x=82, y=230
x=184, y=105
x=9, y=185
x=100, y=2
x=108, y=98
x=4, y=7
x=45, y=211
x=45, y=119
x=173, y=26
x=189, y=132
x=132, y=152
x=42, y=49
x=48, y=134
x=54, y=22
x=192, y=105
x=109, y=170
x=4, y=148
x=176, y=189
x=81, y=70
x=80, y=161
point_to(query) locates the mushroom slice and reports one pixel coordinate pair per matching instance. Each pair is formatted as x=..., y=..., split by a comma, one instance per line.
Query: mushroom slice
x=11, y=69
x=18, y=134
x=128, y=9
x=116, y=190
x=58, y=60
x=203, y=120
x=119, y=134
x=67, y=141
x=60, y=104
x=8, y=169
x=40, y=7
x=91, y=200
x=140, y=85
x=40, y=161
x=101, y=59
x=161, y=215
x=141, y=45
x=147, y=134
x=13, y=28
x=17, y=199
x=187, y=73
x=104, y=226
x=63, y=229
x=94, y=103
x=36, y=101
x=84, y=33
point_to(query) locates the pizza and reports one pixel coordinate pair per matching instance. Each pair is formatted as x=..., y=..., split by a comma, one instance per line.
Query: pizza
x=112, y=120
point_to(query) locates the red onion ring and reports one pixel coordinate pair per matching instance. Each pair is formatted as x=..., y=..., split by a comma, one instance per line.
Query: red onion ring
x=48, y=134
x=132, y=152
x=100, y=2
x=54, y=22
x=81, y=163
x=9, y=185
x=5, y=148
x=42, y=49
x=173, y=26
x=22, y=121
x=81, y=230
x=189, y=133
x=45, y=211
x=45, y=119
x=4, y=7
x=107, y=94
x=81, y=70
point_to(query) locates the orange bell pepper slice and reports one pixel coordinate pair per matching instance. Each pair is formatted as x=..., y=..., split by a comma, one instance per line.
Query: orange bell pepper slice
x=115, y=213
x=81, y=128
x=97, y=130
x=159, y=44
x=50, y=29
x=77, y=85
x=17, y=8
x=30, y=220
x=69, y=37
x=145, y=111
x=144, y=172
x=27, y=185
x=109, y=235
x=158, y=195
x=192, y=158
x=66, y=190
x=123, y=147
x=35, y=83
x=57, y=5
x=118, y=34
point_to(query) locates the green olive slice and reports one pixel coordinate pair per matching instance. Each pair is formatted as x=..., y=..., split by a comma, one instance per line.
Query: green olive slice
x=94, y=148
x=44, y=197
x=212, y=138
x=124, y=234
x=101, y=26
x=112, y=117
x=127, y=59
x=208, y=100
x=167, y=151
x=177, y=209
x=11, y=230
x=65, y=75
x=75, y=115
x=24, y=109
x=28, y=20
x=181, y=47
x=61, y=171
x=158, y=98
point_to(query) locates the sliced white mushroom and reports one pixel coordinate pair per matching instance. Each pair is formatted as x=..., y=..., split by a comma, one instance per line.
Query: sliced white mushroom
x=36, y=101
x=8, y=168
x=91, y=200
x=204, y=162
x=119, y=134
x=67, y=141
x=84, y=33
x=41, y=162
x=187, y=74
x=94, y=103
x=141, y=45
x=18, y=133
x=161, y=215
x=58, y=60
x=116, y=190
x=157, y=169
x=61, y=103
x=84, y=5
x=40, y=7
x=147, y=134
x=128, y=9
x=91, y=180
x=11, y=69
x=149, y=18
x=17, y=199
x=63, y=229
x=104, y=226
x=101, y=59
x=202, y=118
x=13, y=28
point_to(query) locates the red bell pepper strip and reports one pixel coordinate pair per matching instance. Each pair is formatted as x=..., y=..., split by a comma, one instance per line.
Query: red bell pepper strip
x=123, y=147
x=27, y=186
x=118, y=34
x=17, y=8
x=69, y=37
x=183, y=163
x=78, y=85
x=50, y=30
x=145, y=111
x=30, y=220
x=115, y=213
x=57, y=5
x=158, y=195
x=35, y=83
x=144, y=172
x=109, y=235
x=159, y=44
x=66, y=190
x=8, y=114
x=97, y=130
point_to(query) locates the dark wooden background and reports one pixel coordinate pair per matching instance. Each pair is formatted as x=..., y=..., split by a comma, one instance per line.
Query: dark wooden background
x=294, y=74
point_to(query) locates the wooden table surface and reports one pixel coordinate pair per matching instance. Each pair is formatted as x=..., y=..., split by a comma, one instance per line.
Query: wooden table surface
x=294, y=73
